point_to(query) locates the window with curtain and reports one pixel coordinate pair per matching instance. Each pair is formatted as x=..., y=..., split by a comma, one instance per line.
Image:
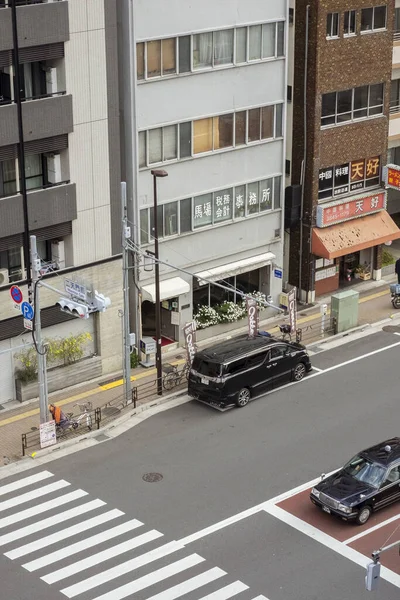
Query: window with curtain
x=33, y=171
x=223, y=47
x=202, y=50
x=268, y=40
x=154, y=58
x=170, y=142
x=168, y=49
x=223, y=131
x=202, y=135
x=255, y=33
x=155, y=145
x=8, y=178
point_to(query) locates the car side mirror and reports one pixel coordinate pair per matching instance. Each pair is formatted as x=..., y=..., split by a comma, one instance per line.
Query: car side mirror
x=323, y=476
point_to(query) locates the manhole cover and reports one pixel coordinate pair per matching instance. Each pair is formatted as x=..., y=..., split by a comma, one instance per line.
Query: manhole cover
x=33, y=428
x=152, y=477
x=391, y=328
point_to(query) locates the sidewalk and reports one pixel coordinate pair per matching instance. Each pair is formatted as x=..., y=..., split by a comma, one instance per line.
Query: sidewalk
x=15, y=419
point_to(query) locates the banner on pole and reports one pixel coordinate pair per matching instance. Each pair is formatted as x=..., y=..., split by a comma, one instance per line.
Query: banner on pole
x=252, y=316
x=292, y=308
x=189, y=331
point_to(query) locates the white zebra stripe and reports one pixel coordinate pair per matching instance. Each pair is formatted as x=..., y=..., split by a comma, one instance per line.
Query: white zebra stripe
x=42, y=491
x=46, y=523
x=227, y=592
x=89, y=542
x=194, y=583
x=21, y=483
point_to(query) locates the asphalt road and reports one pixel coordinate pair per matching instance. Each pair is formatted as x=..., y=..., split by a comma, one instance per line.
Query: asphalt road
x=214, y=466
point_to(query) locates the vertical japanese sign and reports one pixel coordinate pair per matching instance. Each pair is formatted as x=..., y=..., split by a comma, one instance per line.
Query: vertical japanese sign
x=252, y=315
x=189, y=332
x=292, y=308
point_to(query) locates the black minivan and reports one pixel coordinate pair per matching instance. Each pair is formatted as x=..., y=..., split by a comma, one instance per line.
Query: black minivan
x=232, y=372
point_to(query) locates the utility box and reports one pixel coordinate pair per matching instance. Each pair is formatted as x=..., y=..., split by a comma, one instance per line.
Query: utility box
x=344, y=309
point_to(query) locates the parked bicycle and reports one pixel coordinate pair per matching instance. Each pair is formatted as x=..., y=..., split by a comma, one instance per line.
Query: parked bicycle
x=173, y=376
x=73, y=421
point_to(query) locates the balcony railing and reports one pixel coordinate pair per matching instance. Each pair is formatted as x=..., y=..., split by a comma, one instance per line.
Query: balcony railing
x=35, y=189
x=394, y=107
x=30, y=98
x=7, y=3
x=396, y=36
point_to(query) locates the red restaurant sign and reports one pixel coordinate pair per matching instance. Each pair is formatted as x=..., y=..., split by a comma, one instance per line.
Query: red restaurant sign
x=331, y=213
x=393, y=177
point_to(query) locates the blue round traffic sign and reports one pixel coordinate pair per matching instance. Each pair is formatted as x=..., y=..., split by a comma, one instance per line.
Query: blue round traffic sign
x=16, y=294
x=27, y=311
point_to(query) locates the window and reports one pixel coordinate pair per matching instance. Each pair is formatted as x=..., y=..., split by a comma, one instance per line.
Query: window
x=279, y=352
x=349, y=177
x=185, y=139
x=267, y=122
x=222, y=205
x=33, y=171
x=280, y=47
x=155, y=145
x=240, y=128
x=291, y=16
x=210, y=295
x=347, y=105
x=185, y=215
x=184, y=54
x=223, y=47
x=332, y=25
x=153, y=58
x=397, y=21
x=373, y=19
x=168, y=53
x=255, y=37
x=202, y=136
x=289, y=93
x=162, y=144
x=395, y=96
x=202, y=210
x=142, y=149
x=268, y=40
x=287, y=167
x=140, y=60
x=170, y=218
x=144, y=226
x=223, y=131
x=5, y=85
x=241, y=45
x=8, y=183
x=256, y=360
x=349, y=27
x=254, y=125
x=202, y=50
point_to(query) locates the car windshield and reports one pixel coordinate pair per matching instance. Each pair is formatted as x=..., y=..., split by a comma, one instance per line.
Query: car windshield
x=366, y=471
x=205, y=367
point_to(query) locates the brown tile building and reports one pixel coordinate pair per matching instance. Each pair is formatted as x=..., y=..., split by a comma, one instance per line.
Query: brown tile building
x=343, y=67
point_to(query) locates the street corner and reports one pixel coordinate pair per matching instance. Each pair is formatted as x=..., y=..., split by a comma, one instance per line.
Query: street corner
x=357, y=543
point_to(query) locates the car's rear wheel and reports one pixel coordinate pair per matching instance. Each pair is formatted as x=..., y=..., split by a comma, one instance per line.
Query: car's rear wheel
x=243, y=397
x=299, y=371
x=363, y=515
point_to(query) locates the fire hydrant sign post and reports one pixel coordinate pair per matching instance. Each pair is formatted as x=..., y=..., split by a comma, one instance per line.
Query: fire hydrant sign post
x=47, y=434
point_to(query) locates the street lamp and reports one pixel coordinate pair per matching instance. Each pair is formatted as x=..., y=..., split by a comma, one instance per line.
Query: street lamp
x=157, y=173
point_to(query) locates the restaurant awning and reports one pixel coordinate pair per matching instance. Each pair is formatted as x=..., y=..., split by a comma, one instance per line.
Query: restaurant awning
x=170, y=288
x=235, y=268
x=352, y=236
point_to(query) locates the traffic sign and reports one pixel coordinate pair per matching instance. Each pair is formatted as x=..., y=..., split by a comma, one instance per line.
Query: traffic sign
x=28, y=324
x=16, y=294
x=27, y=311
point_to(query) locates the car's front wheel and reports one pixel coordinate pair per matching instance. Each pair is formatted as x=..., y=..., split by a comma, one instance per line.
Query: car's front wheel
x=363, y=515
x=396, y=302
x=243, y=397
x=299, y=371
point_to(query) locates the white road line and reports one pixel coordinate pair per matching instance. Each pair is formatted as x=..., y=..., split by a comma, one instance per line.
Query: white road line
x=329, y=542
x=17, y=485
x=298, y=489
x=63, y=534
x=314, y=368
x=396, y=333
x=41, y=508
x=194, y=583
x=155, y=577
x=119, y=570
x=227, y=592
x=46, y=523
x=42, y=491
x=100, y=557
x=357, y=358
x=89, y=542
x=371, y=529
x=260, y=598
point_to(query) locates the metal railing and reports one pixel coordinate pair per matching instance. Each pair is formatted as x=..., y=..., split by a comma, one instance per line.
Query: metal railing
x=396, y=36
x=394, y=106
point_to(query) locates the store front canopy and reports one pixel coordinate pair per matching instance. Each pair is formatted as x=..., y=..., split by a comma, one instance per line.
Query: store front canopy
x=235, y=268
x=355, y=235
x=170, y=288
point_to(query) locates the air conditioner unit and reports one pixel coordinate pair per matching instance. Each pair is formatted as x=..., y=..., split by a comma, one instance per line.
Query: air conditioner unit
x=58, y=254
x=53, y=168
x=4, y=279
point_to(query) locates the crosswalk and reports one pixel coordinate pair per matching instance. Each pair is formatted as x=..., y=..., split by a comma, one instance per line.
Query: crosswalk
x=89, y=549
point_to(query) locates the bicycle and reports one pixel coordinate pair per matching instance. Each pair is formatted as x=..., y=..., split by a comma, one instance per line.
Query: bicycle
x=173, y=376
x=85, y=409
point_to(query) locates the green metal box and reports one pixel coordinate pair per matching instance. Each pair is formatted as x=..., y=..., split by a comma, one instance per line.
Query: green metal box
x=344, y=309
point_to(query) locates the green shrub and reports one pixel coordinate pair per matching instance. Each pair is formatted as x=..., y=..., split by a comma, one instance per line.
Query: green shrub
x=134, y=360
x=387, y=258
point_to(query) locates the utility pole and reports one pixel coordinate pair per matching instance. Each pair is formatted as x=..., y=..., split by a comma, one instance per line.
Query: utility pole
x=37, y=335
x=126, y=234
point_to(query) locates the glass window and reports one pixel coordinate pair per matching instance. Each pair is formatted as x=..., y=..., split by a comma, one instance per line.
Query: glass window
x=279, y=120
x=349, y=22
x=366, y=19
x=144, y=226
x=223, y=205
x=202, y=50
x=185, y=139
x=240, y=205
x=249, y=282
x=280, y=49
x=202, y=135
x=171, y=218
x=332, y=25
x=277, y=192
x=252, y=198
x=8, y=176
x=140, y=60
x=267, y=122
x=170, y=142
x=154, y=58
x=360, y=102
x=376, y=99
x=185, y=215
x=265, y=194
x=155, y=145
x=168, y=48
x=268, y=40
x=328, y=108
x=202, y=210
x=142, y=148
x=364, y=470
x=223, y=131
x=241, y=44
x=240, y=128
x=160, y=222
x=344, y=104
x=33, y=171
x=379, y=17
x=184, y=54
x=254, y=125
x=255, y=42
x=223, y=47
x=325, y=184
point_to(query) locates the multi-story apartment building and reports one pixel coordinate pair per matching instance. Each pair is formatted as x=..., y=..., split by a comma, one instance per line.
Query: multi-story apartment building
x=69, y=90
x=204, y=94
x=341, y=97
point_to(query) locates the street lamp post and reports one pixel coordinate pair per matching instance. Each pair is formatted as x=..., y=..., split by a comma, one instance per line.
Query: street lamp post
x=157, y=173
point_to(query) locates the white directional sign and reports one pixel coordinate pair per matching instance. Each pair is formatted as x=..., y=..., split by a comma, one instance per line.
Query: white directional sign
x=28, y=324
x=47, y=434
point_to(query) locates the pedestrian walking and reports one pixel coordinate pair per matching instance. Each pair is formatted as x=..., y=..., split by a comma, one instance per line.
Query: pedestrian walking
x=397, y=270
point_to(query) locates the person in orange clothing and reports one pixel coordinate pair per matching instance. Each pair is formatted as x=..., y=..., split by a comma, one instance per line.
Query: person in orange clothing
x=59, y=417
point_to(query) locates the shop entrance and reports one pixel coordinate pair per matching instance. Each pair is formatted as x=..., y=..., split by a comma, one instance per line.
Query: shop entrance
x=347, y=266
x=168, y=330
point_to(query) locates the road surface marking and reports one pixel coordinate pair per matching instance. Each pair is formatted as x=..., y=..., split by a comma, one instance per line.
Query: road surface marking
x=42, y=491
x=328, y=541
x=179, y=590
x=396, y=333
x=373, y=296
x=317, y=369
x=118, y=570
x=63, y=534
x=155, y=577
x=102, y=556
x=17, y=485
x=46, y=523
x=371, y=529
x=41, y=508
x=226, y=592
x=260, y=598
